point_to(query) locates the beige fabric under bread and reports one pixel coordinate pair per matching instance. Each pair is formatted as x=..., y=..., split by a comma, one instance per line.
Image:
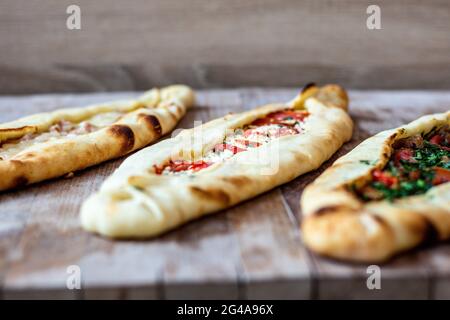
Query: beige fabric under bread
x=136, y=202
x=143, y=121
x=339, y=225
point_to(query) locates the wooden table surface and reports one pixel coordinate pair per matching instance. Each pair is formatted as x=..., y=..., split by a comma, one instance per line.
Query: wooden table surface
x=253, y=250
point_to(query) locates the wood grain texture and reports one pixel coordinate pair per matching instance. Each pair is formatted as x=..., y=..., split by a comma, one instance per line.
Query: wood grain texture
x=253, y=250
x=222, y=43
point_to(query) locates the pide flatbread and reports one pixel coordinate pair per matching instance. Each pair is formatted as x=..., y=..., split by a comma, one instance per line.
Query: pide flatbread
x=48, y=145
x=219, y=164
x=387, y=195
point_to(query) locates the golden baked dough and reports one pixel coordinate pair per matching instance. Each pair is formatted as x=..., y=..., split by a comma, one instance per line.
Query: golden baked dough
x=48, y=145
x=137, y=202
x=337, y=223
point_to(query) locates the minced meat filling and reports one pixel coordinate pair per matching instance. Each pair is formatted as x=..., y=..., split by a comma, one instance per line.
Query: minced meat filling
x=62, y=128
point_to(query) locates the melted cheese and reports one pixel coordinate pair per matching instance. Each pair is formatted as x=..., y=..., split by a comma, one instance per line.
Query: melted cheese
x=248, y=138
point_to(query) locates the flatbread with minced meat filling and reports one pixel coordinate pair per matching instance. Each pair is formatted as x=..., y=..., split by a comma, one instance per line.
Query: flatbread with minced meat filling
x=52, y=144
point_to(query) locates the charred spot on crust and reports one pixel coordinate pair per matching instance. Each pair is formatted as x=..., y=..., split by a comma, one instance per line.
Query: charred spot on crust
x=172, y=115
x=211, y=194
x=238, y=181
x=380, y=220
x=17, y=129
x=16, y=162
x=431, y=234
x=328, y=209
x=298, y=156
x=177, y=108
x=125, y=135
x=392, y=140
x=152, y=122
x=392, y=137
x=308, y=85
x=29, y=155
x=386, y=152
x=19, y=181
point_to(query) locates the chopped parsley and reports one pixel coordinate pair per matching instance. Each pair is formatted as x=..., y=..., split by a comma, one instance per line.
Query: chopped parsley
x=368, y=162
x=416, y=165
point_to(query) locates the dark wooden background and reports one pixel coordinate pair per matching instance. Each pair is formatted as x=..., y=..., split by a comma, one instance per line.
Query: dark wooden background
x=137, y=44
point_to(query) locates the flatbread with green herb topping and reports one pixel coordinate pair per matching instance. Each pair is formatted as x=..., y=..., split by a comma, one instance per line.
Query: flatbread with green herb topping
x=388, y=195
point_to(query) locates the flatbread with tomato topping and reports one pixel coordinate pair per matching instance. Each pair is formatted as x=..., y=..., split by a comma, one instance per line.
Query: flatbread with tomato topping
x=219, y=164
x=48, y=145
x=388, y=195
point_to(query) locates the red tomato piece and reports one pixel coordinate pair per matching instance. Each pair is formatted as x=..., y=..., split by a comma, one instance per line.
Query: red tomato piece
x=223, y=146
x=441, y=176
x=414, y=175
x=198, y=165
x=403, y=154
x=280, y=116
x=384, y=178
x=249, y=132
x=182, y=165
x=262, y=121
x=158, y=169
x=439, y=140
x=179, y=165
x=285, y=131
x=436, y=139
x=247, y=143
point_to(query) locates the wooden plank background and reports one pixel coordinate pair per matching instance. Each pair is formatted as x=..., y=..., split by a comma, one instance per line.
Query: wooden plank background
x=253, y=250
x=222, y=43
